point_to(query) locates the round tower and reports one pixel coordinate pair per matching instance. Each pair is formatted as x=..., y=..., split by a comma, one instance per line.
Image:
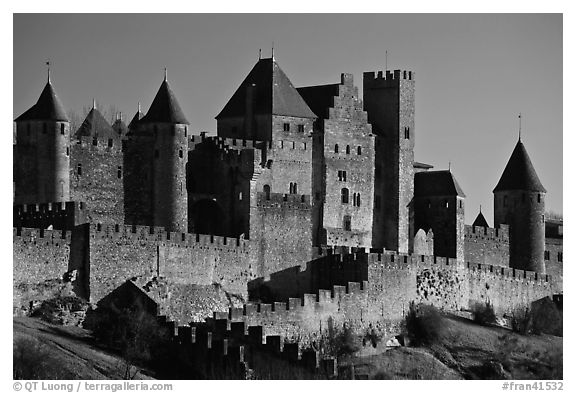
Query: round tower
x=42, y=158
x=519, y=203
x=168, y=127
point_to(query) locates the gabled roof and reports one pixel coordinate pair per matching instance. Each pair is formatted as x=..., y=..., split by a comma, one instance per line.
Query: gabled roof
x=519, y=173
x=436, y=183
x=273, y=94
x=480, y=221
x=48, y=107
x=165, y=108
x=319, y=98
x=95, y=125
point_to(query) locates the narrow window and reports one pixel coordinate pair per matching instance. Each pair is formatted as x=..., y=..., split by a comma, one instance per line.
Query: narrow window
x=286, y=127
x=110, y=143
x=446, y=203
x=300, y=127
x=345, y=195
x=240, y=196
x=94, y=141
x=67, y=151
x=354, y=199
x=347, y=223
x=180, y=153
x=336, y=148
x=267, y=191
x=185, y=131
x=79, y=169
x=560, y=256
x=347, y=149
x=460, y=203
x=62, y=130
x=358, y=200
x=539, y=198
x=295, y=188
x=546, y=255
x=406, y=132
x=119, y=172
x=359, y=150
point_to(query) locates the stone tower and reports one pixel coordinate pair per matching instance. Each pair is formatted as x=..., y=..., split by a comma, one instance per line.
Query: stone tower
x=389, y=101
x=162, y=137
x=42, y=153
x=519, y=203
x=439, y=204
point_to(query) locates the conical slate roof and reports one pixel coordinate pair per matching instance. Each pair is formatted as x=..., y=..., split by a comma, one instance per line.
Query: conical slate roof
x=436, y=183
x=273, y=94
x=48, y=107
x=519, y=173
x=139, y=115
x=480, y=221
x=165, y=108
x=95, y=125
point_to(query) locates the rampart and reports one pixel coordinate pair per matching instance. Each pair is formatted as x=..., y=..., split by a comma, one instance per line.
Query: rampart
x=39, y=256
x=59, y=215
x=119, y=252
x=487, y=245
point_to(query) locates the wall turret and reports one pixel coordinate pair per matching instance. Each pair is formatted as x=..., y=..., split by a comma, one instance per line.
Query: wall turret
x=519, y=203
x=42, y=154
x=162, y=136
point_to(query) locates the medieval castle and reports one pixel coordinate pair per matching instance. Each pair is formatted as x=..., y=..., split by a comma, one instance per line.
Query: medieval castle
x=308, y=198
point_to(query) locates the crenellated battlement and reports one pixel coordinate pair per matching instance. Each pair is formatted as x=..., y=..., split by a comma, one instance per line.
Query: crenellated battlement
x=292, y=145
x=59, y=215
x=224, y=343
x=373, y=79
x=160, y=235
x=289, y=201
x=34, y=235
x=496, y=234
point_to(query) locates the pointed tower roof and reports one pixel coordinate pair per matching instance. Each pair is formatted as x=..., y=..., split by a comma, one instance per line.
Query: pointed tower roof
x=519, y=173
x=480, y=221
x=137, y=117
x=119, y=126
x=165, y=107
x=274, y=94
x=95, y=125
x=436, y=183
x=48, y=107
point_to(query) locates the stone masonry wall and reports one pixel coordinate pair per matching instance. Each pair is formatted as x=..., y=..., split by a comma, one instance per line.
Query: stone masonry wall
x=487, y=245
x=96, y=172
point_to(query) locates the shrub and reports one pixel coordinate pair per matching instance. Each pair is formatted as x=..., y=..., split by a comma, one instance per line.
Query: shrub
x=33, y=360
x=546, y=318
x=521, y=321
x=423, y=324
x=483, y=313
x=62, y=310
x=337, y=342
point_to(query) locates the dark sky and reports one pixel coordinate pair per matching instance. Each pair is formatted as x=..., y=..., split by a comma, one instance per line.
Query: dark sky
x=474, y=74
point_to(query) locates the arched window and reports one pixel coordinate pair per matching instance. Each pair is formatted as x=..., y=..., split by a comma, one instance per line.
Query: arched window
x=336, y=148
x=347, y=149
x=358, y=199
x=345, y=194
x=359, y=150
x=347, y=223
x=267, y=191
